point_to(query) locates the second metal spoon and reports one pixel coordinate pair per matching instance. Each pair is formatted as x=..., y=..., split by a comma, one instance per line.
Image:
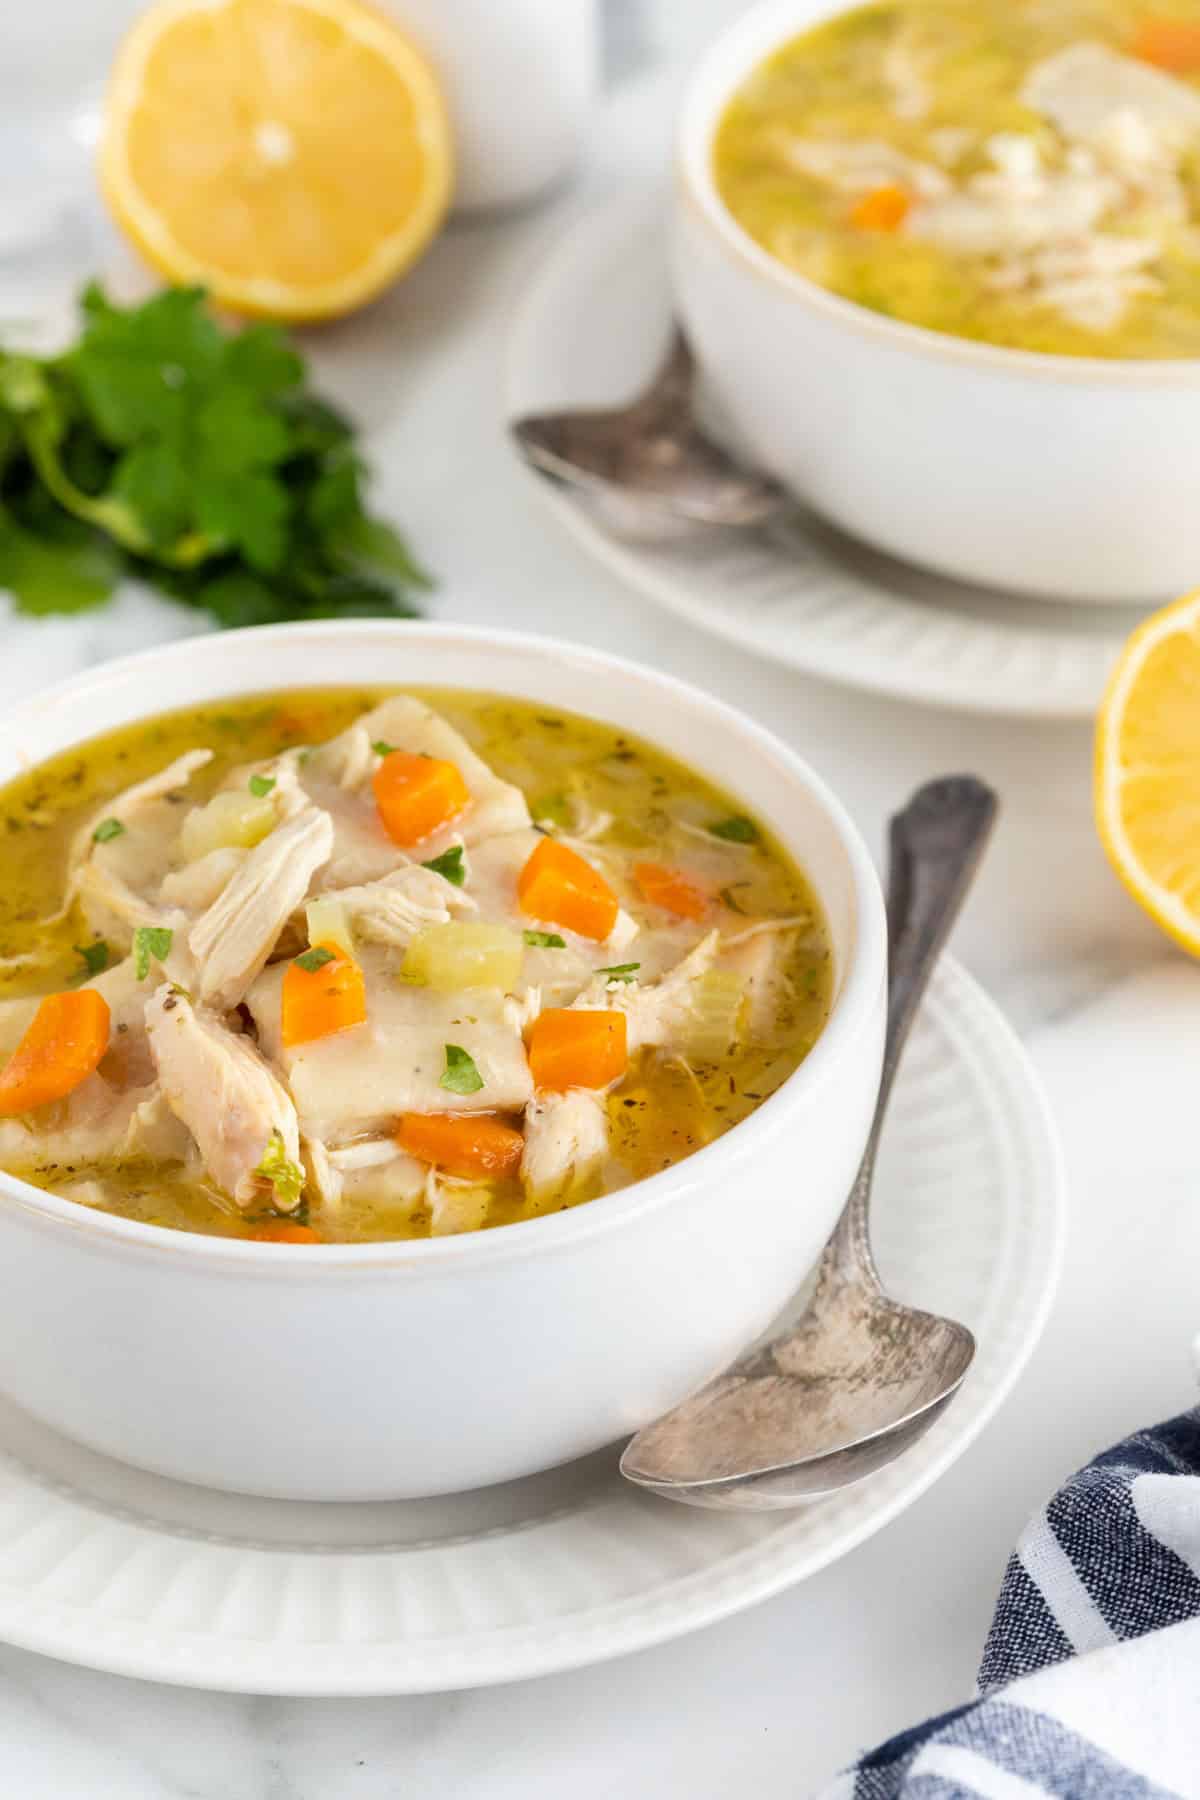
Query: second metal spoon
x=860, y=1377
x=648, y=468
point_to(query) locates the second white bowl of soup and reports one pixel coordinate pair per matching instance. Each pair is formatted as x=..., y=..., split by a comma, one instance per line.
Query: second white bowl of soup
x=941, y=267
x=429, y=1054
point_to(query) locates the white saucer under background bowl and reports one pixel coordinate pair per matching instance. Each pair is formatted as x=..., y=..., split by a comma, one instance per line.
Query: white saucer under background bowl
x=589, y=332
x=119, y=1570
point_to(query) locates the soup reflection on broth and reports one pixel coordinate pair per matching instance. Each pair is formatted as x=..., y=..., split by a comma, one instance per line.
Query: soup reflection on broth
x=1021, y=172
x=339, y=966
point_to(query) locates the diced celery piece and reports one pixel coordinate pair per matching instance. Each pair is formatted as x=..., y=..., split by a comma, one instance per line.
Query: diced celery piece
x=464, y=955
x=329, y=923
x=709, y=1028
x=234, y=820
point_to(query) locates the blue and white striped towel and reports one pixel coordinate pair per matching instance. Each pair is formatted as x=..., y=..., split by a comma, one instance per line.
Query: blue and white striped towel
x=1090, y=1684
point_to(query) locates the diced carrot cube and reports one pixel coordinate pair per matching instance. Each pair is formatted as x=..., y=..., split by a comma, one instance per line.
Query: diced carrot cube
x=462, y=1143
x=63, y=1045
x=883, y=209
x=670, y=889
x=1171, y=44
x=317, y=1001
x=558, y=886
x=417, y=795
x=575, y=1047
x=282, y=1231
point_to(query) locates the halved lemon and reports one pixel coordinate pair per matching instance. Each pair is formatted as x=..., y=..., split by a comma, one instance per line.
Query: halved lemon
x=1148, y=769
x=292, y=156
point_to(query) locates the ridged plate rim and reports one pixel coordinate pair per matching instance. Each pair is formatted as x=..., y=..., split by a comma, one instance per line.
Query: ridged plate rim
x=987, y=1132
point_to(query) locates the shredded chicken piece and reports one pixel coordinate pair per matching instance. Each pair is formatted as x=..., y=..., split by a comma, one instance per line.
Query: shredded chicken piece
x=232, y=941
x=904, y=71
x=520, y=1010
x=198, y=884
x=288, y=796
x=454, y=1206
x=759, y=957
x=96, y=1124
x=1016, y=205
x=368, y=1153
x=114, y=910
x=219, y=1086
x=127, y=805
x=566, y=1137
x=653, y=1013
x=624, y=930
x=346, y=760
x=115, y=880
x=392, y=910
x=323, y=1177
x=397, y=1182
x=858, y=166
x=1081, y=88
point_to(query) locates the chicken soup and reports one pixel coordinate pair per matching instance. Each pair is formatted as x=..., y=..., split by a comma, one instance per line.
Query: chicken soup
x=340, y=966
x=1021, y=172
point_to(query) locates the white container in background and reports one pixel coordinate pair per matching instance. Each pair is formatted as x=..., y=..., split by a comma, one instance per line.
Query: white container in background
x=520, y=76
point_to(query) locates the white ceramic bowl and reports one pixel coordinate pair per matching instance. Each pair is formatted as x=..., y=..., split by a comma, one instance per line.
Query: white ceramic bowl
x=1064, y=477
x=370, y=1371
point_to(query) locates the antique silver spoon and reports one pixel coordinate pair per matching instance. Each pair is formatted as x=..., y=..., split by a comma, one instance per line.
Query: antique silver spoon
x=648, y=467
x=860, y=1377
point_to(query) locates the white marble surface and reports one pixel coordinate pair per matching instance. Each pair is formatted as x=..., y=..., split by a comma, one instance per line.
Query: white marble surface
x=771, y=1702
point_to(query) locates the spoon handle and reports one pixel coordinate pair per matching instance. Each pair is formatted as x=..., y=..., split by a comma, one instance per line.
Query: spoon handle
x=934, y=846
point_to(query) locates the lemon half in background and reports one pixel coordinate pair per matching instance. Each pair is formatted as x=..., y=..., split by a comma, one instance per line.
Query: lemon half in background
x=292, y=156
x=1148, y=769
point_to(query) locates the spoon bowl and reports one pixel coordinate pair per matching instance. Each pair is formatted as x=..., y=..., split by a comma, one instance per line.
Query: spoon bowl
x=648, y=468
x=860, y=1376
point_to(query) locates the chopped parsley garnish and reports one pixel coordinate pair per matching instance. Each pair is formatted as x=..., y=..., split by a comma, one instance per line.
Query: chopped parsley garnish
x=315, y=959
x=737, y=830
x=727, y=896
x=381, y=747
x=285, y=1176
x=106, y=830
x=461, y=1076
x=620, y=971
x=261, y=785
x=150, y=941
x=545, y=940
x=95, y=958
x=449, y=865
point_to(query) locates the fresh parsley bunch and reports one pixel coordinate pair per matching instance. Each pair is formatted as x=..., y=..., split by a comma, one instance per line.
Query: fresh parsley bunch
x=162, y=446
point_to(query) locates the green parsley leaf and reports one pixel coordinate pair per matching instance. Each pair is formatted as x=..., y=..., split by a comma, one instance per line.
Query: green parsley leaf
x=726, y=895
x=285, y=1176
x=449, y=865
x=461, y=1076
x=260, y=785
x=545, y=940
x=150, y=941
x=315, y=959
x=737, y=830
x=620, y=971
x=95, y=958
x=382, y=748
x=167, y=447
x=60, y=574
x=106, y=830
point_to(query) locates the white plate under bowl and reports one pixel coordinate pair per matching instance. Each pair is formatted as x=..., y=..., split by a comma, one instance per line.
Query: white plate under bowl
x=103, y=1565
x=591, y=329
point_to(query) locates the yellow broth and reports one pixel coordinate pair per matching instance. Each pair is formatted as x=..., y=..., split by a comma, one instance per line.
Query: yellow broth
x=836, y=84
x=568, y=766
